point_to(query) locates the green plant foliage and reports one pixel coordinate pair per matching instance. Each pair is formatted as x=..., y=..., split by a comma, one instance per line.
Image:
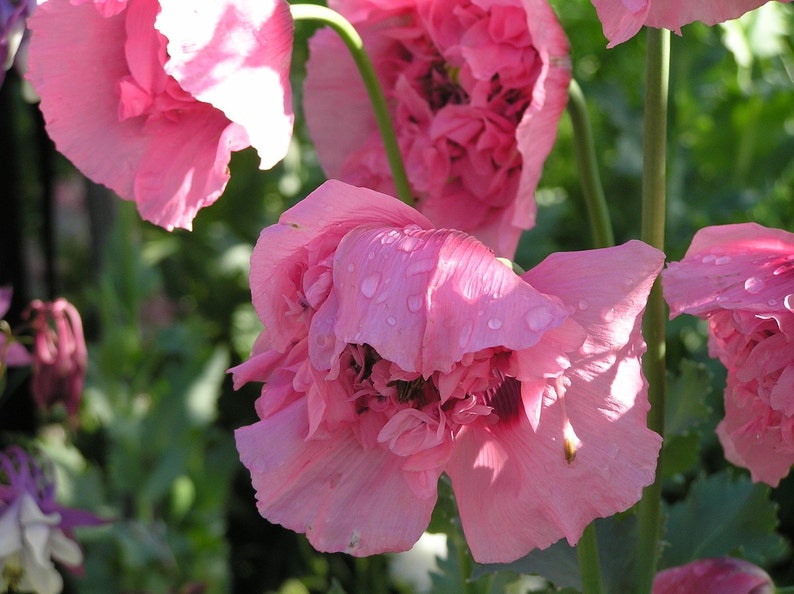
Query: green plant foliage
x=723, y=516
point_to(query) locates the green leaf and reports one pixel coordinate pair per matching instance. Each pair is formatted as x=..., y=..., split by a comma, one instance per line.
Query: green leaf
x=685, y=407
x=722, y=516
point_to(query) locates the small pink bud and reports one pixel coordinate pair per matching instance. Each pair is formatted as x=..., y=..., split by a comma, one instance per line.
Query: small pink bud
x=59, y=355
x=722, y=575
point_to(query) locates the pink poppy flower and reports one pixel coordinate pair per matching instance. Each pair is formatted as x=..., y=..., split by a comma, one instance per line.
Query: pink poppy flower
x=34, y=529
x=59, y=355
x=475, y=90
x=12, y=353
x=741, y=279
x=723, y=575
x=394, y=352
x=622, y=19
x=151, y=104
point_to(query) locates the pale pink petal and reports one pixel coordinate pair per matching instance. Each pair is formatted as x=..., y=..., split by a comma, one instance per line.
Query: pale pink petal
x=320, y=221
x=738, y=267
x=423, y=299
x=622, y=19
x=344, y=497
x=507, y=475
x=235, y=55
x=137, y=131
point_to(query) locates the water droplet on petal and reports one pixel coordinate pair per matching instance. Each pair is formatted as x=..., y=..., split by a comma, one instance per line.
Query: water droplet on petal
x=753, y=285
x=371, y=255
x=494, y=324
x=772, y=302
x=391, y=321
x=609, y=315
x=418, y=266
x=351, y=267
x=721, y=298
x=370, y=284
x=722, y=260
x=390, y=237
x=408, y=244
x=709, y=259
x=789, y=302
x=538, y=319
x=415, y=303
x=583, y=305
x=780, y=270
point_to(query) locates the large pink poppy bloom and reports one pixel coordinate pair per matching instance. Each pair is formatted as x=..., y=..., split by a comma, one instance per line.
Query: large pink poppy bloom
x=720, y=575
x=394, y=352
x=741, y=279
x=150, y=97
x=622, y=19
x=475, y=90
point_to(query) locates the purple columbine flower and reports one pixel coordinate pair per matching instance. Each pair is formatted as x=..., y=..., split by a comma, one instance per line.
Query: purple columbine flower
x=34, y=529
x=12, y=29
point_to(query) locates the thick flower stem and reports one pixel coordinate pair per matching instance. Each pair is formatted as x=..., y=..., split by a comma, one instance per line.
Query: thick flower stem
x=352, y=40
x=653, y=217
x=589, y=566
x=597, y=211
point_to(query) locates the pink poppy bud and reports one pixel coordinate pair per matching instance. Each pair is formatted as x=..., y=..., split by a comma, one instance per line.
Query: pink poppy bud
x=723, y=575
x=59, y=355
x=12, y=353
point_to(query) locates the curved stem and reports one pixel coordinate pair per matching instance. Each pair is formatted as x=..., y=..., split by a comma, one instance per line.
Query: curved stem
x=589, y=566
x=597, y=211
x=352, y=40
x=654, y=150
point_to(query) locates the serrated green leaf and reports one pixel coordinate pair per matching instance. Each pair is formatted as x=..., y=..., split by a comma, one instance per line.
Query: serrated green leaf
x=722, y=516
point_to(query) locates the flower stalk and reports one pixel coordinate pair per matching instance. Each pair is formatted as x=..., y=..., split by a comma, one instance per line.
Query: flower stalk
x=353, y=41
x=584, y=146
x=653, y=221
x=589, y=566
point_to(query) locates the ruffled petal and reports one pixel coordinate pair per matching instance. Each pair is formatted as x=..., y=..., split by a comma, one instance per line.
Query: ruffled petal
x=344, y=497
x=424, y=299
x=235, y=55
x=306, y=233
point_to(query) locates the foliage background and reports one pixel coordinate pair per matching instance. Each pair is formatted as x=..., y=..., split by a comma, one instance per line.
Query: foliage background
x=167, y=313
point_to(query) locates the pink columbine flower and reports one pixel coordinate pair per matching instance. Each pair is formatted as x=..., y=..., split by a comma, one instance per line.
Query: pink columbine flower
x=12, y=30
x=622, y=19
x=741, y=279
x=475, y=90
x=394, y=352
x=34, y=529
x=59, y=355
x=722, y=575
x=12, y=353
x=150, y=97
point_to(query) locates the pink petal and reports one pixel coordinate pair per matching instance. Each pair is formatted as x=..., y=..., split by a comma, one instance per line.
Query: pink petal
x=507, y=475
x=344, y=497
x=732, y=267
x=722, y=575
x=235, y=55
x=308, y=231
x=172, y=157
x=424, y=299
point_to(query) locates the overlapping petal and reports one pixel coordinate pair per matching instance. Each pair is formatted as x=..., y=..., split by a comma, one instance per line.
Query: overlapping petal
x=721, y=575
x=508, y=474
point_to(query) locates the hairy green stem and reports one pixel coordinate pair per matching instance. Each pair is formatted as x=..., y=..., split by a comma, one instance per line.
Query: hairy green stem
x=352, y=40
x=654, y=149
x=597, y=211
x=589, y=565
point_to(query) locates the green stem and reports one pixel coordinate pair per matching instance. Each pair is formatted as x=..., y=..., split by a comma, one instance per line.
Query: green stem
x=597, y=211
x=653, y=216
x=589, y=566
x=352, y=40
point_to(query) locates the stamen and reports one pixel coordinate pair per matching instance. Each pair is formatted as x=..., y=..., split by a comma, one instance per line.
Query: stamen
x=570, y=441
